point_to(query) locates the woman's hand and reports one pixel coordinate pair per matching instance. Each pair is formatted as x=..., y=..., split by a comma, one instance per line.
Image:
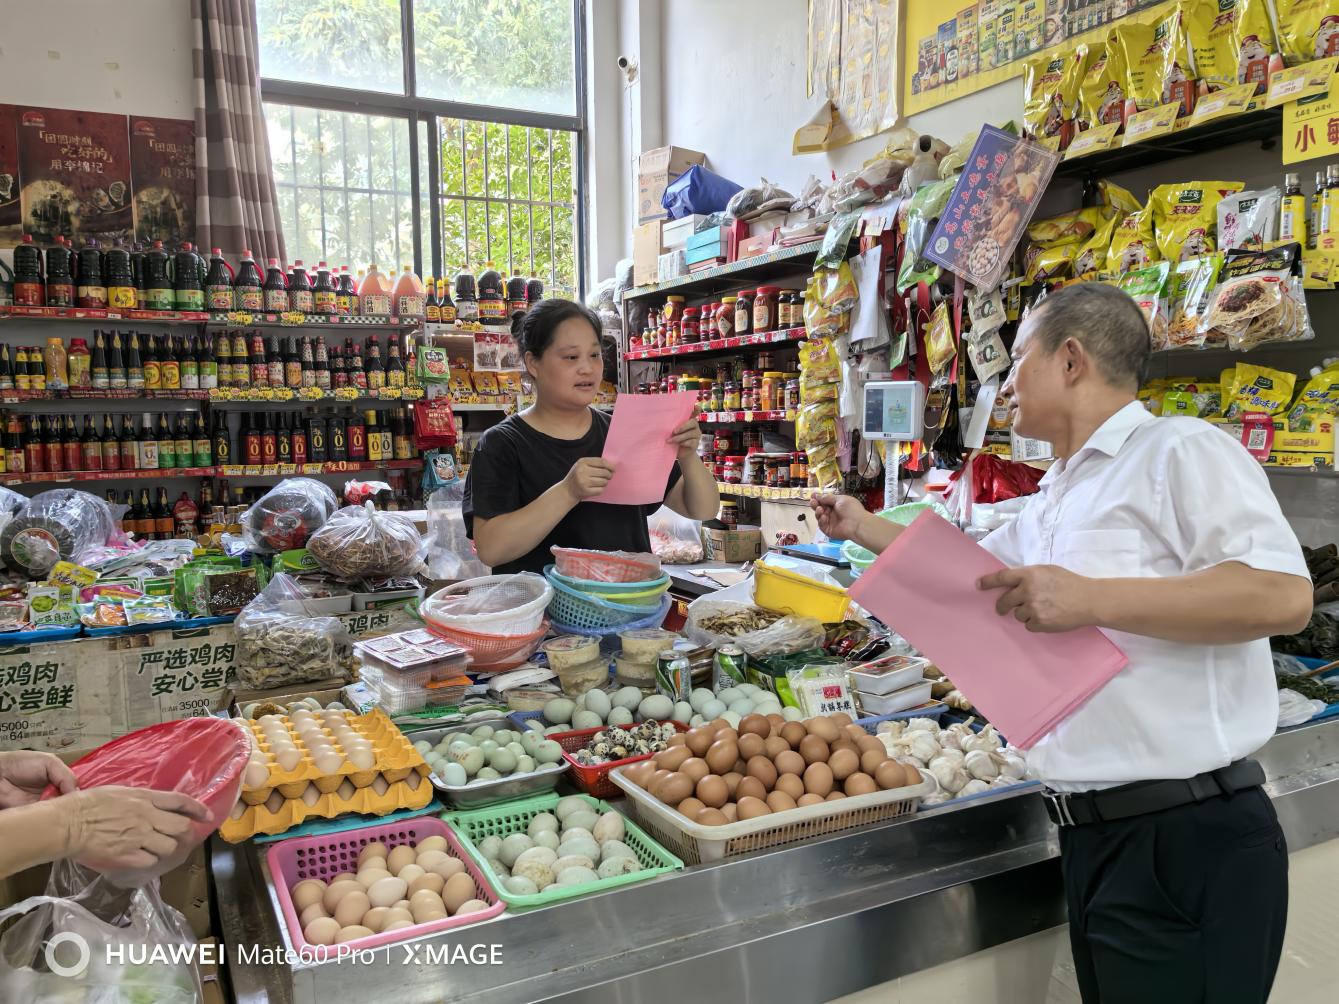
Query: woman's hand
x=685, y=439
x=127, y=828
x=587, y=478
x=24, y=776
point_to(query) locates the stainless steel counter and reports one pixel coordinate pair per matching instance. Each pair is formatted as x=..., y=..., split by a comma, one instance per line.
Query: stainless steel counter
x=807, y=923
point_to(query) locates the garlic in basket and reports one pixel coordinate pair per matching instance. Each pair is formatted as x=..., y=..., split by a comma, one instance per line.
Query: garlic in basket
x=981, y=765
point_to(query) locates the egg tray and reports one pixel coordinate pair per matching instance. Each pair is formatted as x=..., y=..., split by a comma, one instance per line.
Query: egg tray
x=476, y=794
x=698, y=844
x=595, y=780
x=259, y=819
x=327, y=855
x=514, y=817
x=394, y=755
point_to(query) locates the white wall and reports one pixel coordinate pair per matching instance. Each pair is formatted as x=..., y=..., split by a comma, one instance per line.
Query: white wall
x=132, y=58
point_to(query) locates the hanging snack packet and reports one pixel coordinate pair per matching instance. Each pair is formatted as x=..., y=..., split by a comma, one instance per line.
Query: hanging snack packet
x=1308, y=29
x=1185, y=216
x=1249, y=220
x=1232, y=41
x=920, y=219
x=1065, y=228
x=1093, y=254
x=1318, y=399
x=1044, y=264
x=1050, y=89
x=1260, y=299
x=1132, y=243
x=819, y=321
x=1259, y=388
x=1188, y=297
x=1102, y=89
x=1176, y=73
x=816, y=424
x=1148, y=288
x=1117, y=201
x=940, y=344
x=819, y=362
x=836, y=288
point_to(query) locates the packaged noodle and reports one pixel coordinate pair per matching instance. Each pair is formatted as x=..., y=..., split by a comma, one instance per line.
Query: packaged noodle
x=1259, y=298
x=1319, y=398
x=1043, y=264
x=1259, y=388
x=1150, y=395
x=940, y=344
x=1249, y=220
x=1065, y=228
x=1193, y=399
x=1117, y=201
x=920, y=219
x=1185, y=216
x=1093, y=254
x=1232, y=41
x=1308, y=29
x=1148, y=288
x=1132, y=243
x=1050, y=90
x=1191, y=286
x=1102, y=90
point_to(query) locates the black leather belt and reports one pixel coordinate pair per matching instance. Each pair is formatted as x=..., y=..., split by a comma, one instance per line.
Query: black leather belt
x=1142, y=797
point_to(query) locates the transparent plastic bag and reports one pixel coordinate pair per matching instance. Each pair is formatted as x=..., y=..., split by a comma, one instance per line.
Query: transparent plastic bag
x=11, y=501
x=55, y=525
x=758, y=199
x=784, y=636
x=287, y=515
x=75, y=923
x=451, y=555
x=278, y=644
x=359, y=541
x=675, y=539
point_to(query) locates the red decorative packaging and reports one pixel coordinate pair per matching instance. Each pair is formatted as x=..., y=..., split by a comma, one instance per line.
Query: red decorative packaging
x=434, y=424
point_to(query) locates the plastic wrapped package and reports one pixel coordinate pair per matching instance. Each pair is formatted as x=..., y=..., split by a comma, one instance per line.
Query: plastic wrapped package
x=604, y=296
x=697, y=190
x=675, y=539
x=278, y=644
x=451, y=554
x=757, y=199
x=359, y=541
x=79, y=906
x=54, y=526
x=11, y=501
x=711, y=621
x=287, y=515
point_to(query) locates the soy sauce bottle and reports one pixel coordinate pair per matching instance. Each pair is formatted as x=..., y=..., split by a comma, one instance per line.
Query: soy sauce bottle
x=91, y=290
x=492, y=305
x=188, y=290
x=445, y=304
x=153, y=367
x=219, y=294
x=29, y=289
x=276, y=288
x=134, y=364
x=222, y=439
x=60, y=290
x=283, y=440
x=301, y=298
x=323, y=292
x=346, y=300
x=274, y=362
x=467, y=306
x=316, y=439
x=137, y=273
x=248, y=293
x=158, y=291
x=122, y=293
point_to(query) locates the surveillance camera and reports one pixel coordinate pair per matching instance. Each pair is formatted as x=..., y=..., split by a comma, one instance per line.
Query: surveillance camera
x=629, y=68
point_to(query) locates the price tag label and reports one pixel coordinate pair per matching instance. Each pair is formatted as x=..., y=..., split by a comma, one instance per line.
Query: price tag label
x=292, y=318
x=1228, y=101
x=346, y=394
x=821, y=690
x=281, y=394
x=252, y=470
x=1095, y=140
x=1151, y=124
x=306, y=394
x=269, y=469
x=1301, y=81
x=288, y=468
x=240, y=318
x=412, y=393
x=232, y=470
x=390, y=393
x=747, y=416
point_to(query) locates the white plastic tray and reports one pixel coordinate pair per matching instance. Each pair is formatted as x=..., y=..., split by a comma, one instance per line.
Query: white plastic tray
x=696, y=844
x=899, y=700
x=882, y=683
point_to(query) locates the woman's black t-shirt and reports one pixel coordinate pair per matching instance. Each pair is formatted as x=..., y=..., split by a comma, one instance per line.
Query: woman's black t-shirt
x=515, y=463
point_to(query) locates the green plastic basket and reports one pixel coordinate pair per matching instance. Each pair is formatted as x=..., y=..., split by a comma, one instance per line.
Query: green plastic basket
x=860, y=558
x=514, y=817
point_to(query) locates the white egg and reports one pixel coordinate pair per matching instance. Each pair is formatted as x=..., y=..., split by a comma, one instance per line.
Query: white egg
x=237, y=810
x=327, y=761
x=270, y=720
x=345, y=790
x=289, y=758
x=310, y=794
x=275, y=802
x=256, y=776
x=362, y=759
x=356, y=742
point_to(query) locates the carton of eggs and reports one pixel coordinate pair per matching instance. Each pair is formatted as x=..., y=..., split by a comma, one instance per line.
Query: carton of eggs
x=488, y=754
x=396, y=887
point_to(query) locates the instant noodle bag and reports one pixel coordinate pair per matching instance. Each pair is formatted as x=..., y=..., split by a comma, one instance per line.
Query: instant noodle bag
x=1318, y=399
x=1148, y=288
x=1158, y=70
x=1185, y=216
x=1102, y=89
x=1308, y=29
x=1132, y=243
x=1232, y=41
x=1050, y=91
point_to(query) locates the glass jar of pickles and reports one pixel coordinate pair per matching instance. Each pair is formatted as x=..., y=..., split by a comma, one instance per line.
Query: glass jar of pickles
x=732, y=397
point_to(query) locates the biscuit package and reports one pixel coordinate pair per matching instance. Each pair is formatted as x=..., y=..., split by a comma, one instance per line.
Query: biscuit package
x=1185, y=216
x=1308, y=29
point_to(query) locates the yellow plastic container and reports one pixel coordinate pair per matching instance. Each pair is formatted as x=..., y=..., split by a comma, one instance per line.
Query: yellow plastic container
x=789, y=593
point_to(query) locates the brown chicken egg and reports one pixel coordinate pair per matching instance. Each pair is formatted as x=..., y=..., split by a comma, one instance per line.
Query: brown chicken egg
x=675, y=788
x=398, y=858
x=672, y=759
x=844, y=744
x=814, y=750
x=458, y=889
x=758, y=725
x=713, y=791
x=869, y=742
x=825, y=728
x=779, y=801
x=793, y=733
x=690, y=806
x=699, y=740
x=844, y=763
x=307, y=892
x=728, y=732
x=640, y=773
x=808, y=799
x=890, y=774
x=854, y=732
x=750, y=787
x=730, y=811
x=696, y=768
x=840, y=718
x=678, y=739
x=764, y=770
x=789, y=762
x=860, y=783
x=657, y=779
x=751, y=745
x=818, y=779
x=375, y=919
x=432, y=881
x=776, y=721
x=740, y=766
x=312, y=911
x=711, y=817
x=721, y=756
x=376, y=849
x=732, y=781
x=870, y=759
x=751, y=808
x=351, y=909
x=790, y=784
x=336, y=891
x=775, y=745
x=834, y=796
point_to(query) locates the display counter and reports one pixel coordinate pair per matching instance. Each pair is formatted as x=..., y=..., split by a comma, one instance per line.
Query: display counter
x=810, y=922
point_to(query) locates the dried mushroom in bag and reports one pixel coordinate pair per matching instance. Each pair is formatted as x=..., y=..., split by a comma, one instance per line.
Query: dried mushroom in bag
x=360, y=542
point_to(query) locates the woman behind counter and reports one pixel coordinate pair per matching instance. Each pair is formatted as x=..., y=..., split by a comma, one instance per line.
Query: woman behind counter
x=533, y=474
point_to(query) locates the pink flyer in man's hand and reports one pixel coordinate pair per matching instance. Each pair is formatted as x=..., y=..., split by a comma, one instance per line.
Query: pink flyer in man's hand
x=638, y=447
x=923, y=586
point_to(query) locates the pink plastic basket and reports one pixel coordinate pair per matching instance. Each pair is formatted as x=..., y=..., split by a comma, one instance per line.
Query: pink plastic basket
x=324, y=857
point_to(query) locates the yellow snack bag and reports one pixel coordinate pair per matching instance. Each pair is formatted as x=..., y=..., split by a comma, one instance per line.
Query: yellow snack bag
x=1185, y=216
x=819, y=362
x=1319, y=397
x=940, y=344
x=1102, y=89
x=1050, y=91
x=1308, y=29
x=1259, y=388
x=1232, y=41
x=1042, y=264
x=1118, y=201
x=1093, y=254
x=1150, y=395
x=1065, y=228
x=1132, y=243
x=816, y=424
x=1227, y=382
x=1176, y=73
x=1195, y=400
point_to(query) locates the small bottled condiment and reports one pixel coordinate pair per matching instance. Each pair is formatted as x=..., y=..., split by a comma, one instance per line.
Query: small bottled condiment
x=791, y=401
x=729, y=513
x=432, y=307
x=467, y=303
x=445, y=304
x=716, y=397
x=734, y=470
x=721, y=442
x=744, y=312
x=765, y=309
x=688, y=327
x=757, y=473
x=57, y=368
x=725, y=317
x=80, y=365
x=674, y=307
x=799, y=470
x=732, y=398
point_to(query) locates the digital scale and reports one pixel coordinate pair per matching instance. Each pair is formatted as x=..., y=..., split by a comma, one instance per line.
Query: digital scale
x=894, y=411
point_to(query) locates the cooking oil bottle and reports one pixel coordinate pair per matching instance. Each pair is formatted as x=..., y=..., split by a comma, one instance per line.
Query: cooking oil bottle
x=1293, y=210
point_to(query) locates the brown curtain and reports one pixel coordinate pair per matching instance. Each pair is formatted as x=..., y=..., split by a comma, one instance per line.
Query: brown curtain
x=235, y=202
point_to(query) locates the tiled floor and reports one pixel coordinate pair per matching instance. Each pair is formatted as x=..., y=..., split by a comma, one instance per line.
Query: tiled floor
x=1040, y=970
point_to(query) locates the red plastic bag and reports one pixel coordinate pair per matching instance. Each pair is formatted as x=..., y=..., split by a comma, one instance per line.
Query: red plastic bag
x=994, y=480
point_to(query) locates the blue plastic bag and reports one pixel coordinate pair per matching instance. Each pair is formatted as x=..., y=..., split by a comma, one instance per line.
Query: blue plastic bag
x=697, y=190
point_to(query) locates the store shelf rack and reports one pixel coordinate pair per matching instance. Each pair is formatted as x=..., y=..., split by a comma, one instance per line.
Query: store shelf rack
x=783, y=261
x=763, y=492
x=238, y=471
x=745, y=417
x=717, y=345
x=191, y=317
x=370, y=322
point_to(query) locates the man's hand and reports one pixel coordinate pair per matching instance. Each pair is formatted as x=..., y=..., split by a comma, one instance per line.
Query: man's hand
x=24, y=776
x=115, y=828
x=1045, y=598
x=839, y=516
x=685, y=438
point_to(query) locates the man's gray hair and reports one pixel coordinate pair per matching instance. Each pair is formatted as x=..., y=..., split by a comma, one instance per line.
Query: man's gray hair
x=1105, y=321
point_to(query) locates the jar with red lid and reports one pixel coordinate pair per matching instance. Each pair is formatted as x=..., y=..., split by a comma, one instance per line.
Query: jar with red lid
x=734, y=470
x=744, y=312
x=721, y=442
x=764, y=308
x=725, y=317
x=688, y=329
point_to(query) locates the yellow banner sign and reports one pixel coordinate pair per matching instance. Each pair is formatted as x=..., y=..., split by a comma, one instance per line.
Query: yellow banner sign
x=1311, y=128
x=1228, y=101
x=1093, y=141
x=1299, y=82
x=1152, y=123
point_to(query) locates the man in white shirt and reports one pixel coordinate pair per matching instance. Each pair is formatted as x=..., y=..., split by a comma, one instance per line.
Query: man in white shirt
x=1165, y=534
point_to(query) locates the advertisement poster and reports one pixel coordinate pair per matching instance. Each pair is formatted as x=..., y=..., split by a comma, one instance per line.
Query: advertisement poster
x=10, y=215
x=994, y=199
x=952, y=50
x=74, y=169
x=852, y=61
x=162, y=167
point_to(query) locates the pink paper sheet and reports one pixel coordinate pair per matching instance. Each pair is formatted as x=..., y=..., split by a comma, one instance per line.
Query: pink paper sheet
x=637, y=446
x=924, y=587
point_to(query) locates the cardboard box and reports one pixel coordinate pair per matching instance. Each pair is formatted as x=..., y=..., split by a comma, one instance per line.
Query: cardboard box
x=714, y=253
x=765, y=224
x=674, y=234
x=756, y=245
x=707, y=244
x=646, y=250
x=655, y=170
x=735, y=231
x=731, y=545
x=672, y=265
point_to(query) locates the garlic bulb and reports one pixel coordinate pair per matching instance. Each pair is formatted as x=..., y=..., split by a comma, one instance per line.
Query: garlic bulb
x=973, y=787
x=986, y=743
x=921, y=725
x=893, y=728
x=951, y=777
x=1003, y=782
x=1012, y=766
x=912, y=761
x=981, y=765
x=953, y=757
x=922, y=745
x=950, y=740
x=935, y=798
